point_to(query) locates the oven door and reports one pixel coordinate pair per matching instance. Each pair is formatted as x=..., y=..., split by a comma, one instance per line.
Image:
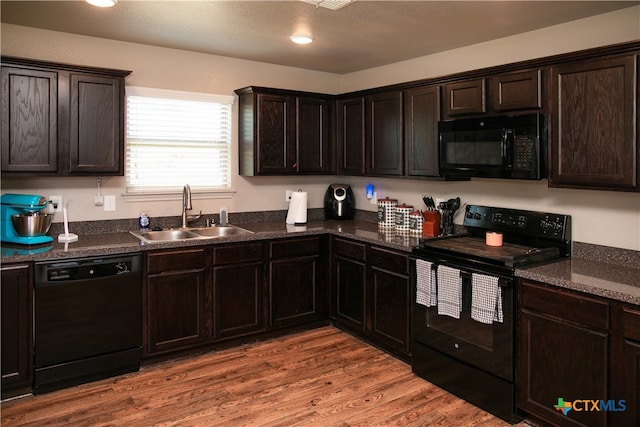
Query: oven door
x=488, y=347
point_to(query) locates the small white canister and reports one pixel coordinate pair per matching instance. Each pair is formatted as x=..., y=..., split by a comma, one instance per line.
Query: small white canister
x=387, y=212
x=415, y=222
x=402, y=217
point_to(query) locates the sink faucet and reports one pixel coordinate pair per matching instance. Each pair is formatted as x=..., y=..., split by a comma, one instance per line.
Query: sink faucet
x=186, y=204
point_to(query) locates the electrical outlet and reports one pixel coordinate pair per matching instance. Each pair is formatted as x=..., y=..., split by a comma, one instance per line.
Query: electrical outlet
x=57, y=202
x=98, y=200
x=109, y=203
x=287, y=195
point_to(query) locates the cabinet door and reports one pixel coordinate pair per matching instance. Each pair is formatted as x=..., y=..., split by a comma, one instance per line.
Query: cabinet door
x=315, y=154
x=276, y=139
x=468, y=97
x=297, y=276
x=29, y=120
x=625, y=366
x=389, y=299
x=237, y=300
x=348, y=284
x=96, y=139
x=384, y=134
x=176, y=307
x=594, y=142
x=349, y=298
x=17, y=340
x=351, y=136
x=294, y=290
x=238, y=290
x=563, y=354
x=421, y=116
x=517, y=91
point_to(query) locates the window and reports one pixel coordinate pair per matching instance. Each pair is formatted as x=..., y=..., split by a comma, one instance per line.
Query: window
x=176, y=138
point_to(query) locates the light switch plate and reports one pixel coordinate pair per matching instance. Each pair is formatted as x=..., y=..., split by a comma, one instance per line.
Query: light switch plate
x=109, y=203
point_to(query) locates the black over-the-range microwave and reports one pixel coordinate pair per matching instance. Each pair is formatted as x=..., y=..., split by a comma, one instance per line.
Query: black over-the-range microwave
x=511, y=147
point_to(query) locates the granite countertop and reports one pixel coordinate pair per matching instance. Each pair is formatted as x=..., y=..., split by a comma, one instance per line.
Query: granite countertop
x=597, y=270
x=121, y=242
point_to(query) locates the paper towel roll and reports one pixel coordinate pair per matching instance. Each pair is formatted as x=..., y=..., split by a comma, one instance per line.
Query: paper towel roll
x=297, y=208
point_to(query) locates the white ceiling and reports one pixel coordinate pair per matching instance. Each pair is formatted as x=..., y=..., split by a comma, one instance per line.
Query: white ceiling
x=362, y=35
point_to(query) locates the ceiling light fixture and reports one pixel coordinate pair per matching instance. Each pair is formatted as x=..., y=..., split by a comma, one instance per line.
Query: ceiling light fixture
x=102, y=3
x=330, y=4
x=301, y=38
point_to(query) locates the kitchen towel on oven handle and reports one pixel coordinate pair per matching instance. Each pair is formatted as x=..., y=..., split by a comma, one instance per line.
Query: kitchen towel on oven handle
x=486, y=299
x=449, y=290
x=425, y=283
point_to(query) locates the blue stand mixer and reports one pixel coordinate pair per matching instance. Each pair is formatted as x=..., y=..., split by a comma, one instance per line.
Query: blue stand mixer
x=23, y=219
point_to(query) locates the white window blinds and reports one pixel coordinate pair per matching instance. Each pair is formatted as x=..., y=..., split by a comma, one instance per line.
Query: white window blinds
x=176, y=138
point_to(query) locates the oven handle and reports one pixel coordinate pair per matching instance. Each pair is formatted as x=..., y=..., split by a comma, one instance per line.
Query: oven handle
x=504, y=280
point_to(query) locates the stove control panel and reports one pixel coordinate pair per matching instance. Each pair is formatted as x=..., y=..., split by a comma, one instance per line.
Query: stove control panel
x=532, y=223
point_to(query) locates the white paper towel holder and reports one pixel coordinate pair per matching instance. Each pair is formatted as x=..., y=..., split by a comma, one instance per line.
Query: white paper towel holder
x=297, y=214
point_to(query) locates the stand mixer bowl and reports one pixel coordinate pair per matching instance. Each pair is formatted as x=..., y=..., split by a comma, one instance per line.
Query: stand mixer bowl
x=30, y=224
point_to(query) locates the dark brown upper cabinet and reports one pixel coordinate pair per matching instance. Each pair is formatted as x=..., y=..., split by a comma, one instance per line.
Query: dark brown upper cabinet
x=594, y=114
x=421, y=116
x=521, y=90
x=506, y=92
x=350, y=125
x=466, y=97
x=384, y=134
x=284, y=132
x=61, y=120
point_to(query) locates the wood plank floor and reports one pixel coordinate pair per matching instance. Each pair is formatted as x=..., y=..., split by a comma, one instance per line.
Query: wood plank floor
x=323, y=377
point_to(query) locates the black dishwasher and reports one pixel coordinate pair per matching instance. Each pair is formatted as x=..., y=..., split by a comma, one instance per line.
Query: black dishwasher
x=88, y=322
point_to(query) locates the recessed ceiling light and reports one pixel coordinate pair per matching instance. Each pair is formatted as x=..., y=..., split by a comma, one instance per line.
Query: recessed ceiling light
x=301, y=38
x=102, y=3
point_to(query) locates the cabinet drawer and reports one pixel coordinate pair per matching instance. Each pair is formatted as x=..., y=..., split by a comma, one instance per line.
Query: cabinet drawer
x=237, y=253
x=564, y=304
x=176, y=260
x=389, y=260
x=348, y=249
x=295, y=247
x=631, y=323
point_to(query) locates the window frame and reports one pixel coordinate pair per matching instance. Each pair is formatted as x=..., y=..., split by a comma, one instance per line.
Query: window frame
x=171, y=194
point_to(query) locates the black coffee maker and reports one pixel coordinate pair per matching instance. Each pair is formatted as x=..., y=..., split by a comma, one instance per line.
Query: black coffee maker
x=339, y=202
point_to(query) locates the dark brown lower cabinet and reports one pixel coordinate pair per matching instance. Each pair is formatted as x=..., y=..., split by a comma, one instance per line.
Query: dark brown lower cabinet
x=177, y=288
x=388, y=298
x=17, y=338
x=625, y=364
x=238, y=290
x=371, y=294
x=297, y=276
x=563, y=355
x=349, y=281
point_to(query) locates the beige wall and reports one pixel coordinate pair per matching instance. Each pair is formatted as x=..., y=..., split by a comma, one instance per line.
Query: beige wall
x=607, y=218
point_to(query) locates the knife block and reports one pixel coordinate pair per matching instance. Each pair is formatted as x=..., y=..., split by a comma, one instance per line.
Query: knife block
x=431, y=224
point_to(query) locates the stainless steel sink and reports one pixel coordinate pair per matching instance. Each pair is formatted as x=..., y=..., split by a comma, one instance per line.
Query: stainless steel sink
x=196, y=233
x=220, y=230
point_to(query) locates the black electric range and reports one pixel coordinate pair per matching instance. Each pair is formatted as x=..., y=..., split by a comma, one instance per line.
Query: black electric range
x=457, y=351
